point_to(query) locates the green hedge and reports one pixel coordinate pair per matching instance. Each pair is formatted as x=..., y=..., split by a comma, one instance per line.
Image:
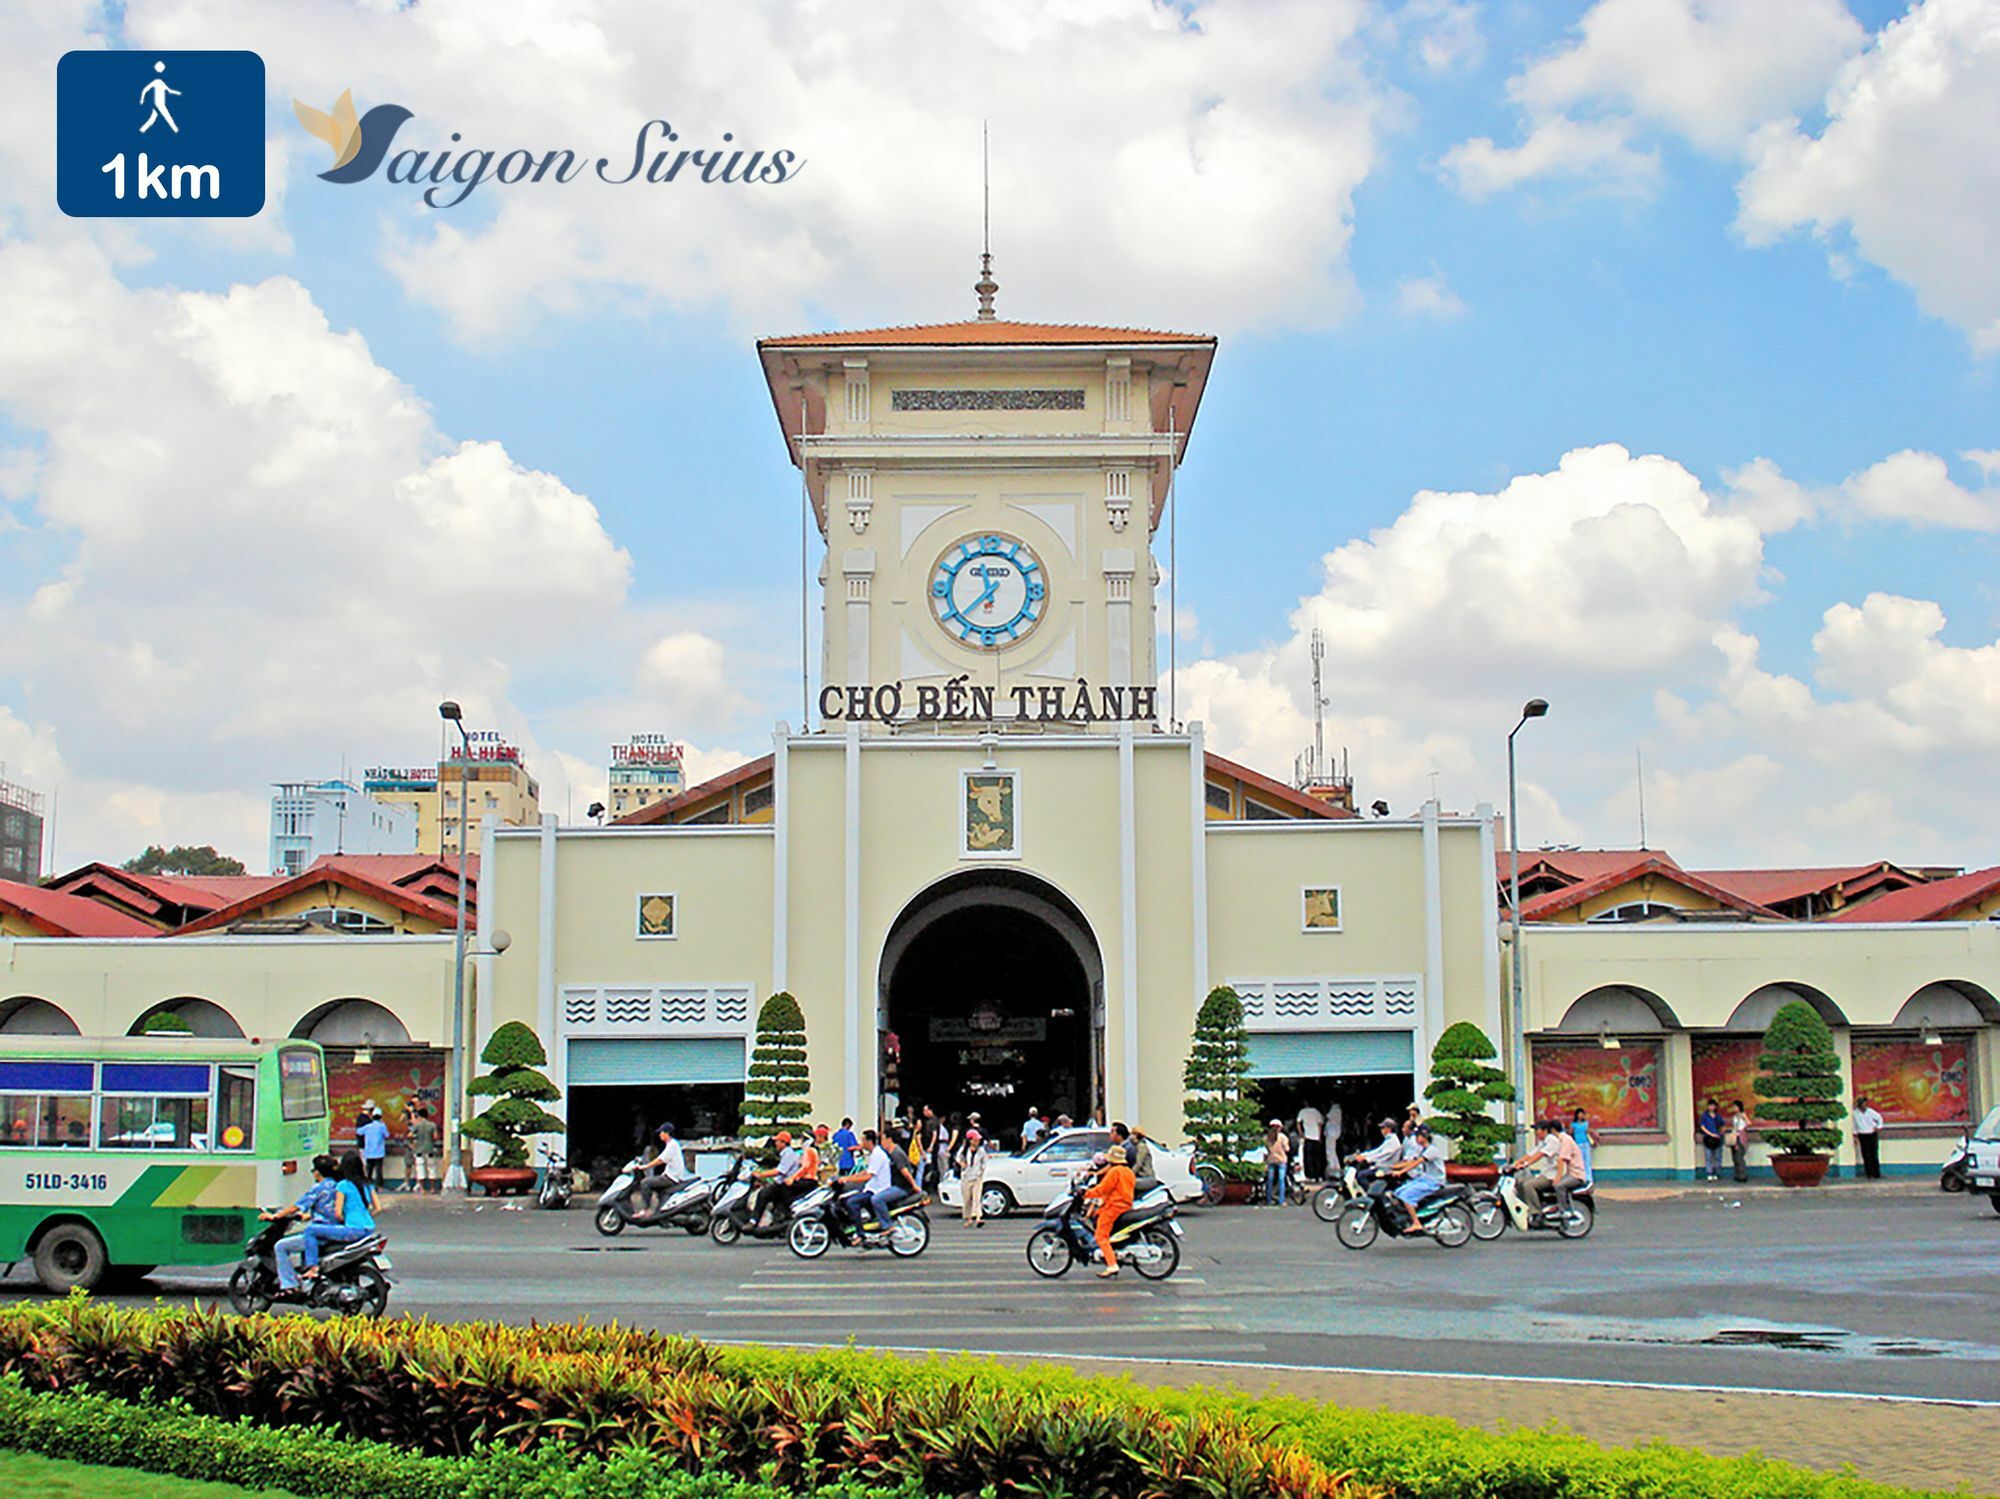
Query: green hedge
x=554, y=1401
x=325, y=1465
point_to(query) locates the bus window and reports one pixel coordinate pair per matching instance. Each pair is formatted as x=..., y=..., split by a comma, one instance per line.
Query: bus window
x=17, y=1118
x=133, y=1123
x=236, y=1117
x=65, y=1122
x=301, y=1085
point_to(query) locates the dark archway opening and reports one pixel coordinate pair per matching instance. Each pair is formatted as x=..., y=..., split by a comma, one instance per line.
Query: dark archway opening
x=992, y=988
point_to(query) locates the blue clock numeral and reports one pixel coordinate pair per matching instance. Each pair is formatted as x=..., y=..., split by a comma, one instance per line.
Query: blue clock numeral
x=1035, y=590
x=941, y=587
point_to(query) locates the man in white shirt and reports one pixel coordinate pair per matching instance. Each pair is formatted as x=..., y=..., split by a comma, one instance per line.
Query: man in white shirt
x=1868, y=1136
x=1373, y=1163
x=665, y=1169
x=1423, y=1175
x=1336, y=1121
x=1563, y=1159
x=870, y=1184
x=1311, y=1123
x=1032, y=1129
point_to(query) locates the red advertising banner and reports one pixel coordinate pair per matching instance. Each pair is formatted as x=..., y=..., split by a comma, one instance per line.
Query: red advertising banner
x=1617, y=1088
x=1911, y=1083
x=1724, y=1069
x=396, y=1080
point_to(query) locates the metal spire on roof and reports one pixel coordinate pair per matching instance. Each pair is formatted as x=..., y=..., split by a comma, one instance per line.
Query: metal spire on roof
x=985, y=286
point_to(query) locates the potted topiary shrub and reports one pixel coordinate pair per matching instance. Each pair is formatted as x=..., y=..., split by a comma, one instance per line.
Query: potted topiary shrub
x=779, y=1081
x=519, y=1089
x=1798, y=1079
x=1223, y=1123
x=1462, y=1085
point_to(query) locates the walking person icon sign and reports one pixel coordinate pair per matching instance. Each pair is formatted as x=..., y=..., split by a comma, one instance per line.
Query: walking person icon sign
x=157, y=90
x=160, y=134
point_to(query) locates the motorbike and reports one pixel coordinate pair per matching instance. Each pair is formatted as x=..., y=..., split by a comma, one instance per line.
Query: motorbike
x=353, y=1279
x=686, y=1206
x=1494, y=1212
x=556, y=1186
x=1329, y=1199
x=1446, y=1215
x=1952, y=1175
x=818, y=1223
x=1146, y=1237
x=729, y=1218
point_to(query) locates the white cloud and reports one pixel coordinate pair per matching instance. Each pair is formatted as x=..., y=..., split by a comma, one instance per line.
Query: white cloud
x=1599, y=154
x=1429, y=297
x=1616, y=588
x=1444, y=33
x=1709, y=70
x=1905, y=166
x=1917, y=488
x=1148, y=160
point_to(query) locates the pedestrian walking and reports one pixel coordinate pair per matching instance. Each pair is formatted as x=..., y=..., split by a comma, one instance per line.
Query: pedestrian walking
x=1868, y=1136
x=1277, y=1153
x=1739, y=1140
x=1709, y=1129
x=1312, y=1125
x=1329, y=1136
x=374, y=1138
x=423, y=1151
x=1585, y=1137
x=1032, y=1128
x=845, y=1141
x=972, y=1178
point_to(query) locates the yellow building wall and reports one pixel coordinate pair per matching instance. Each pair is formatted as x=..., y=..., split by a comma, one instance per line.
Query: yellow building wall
x=268, y=984
x=1650, y=887
x=15, y=926
x=320, y=897
x=1703, y=973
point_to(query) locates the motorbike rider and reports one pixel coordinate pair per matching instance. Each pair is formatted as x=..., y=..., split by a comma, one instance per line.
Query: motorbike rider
x=661, y=1174
x=1422, y=1173
x=790, y=1181
x=1373, y=1164
x=1563, y=1159
x=763, y=1181
x=1111, y=1194
x=888, y=1179
x=1138, y=1150
x=314, y=1206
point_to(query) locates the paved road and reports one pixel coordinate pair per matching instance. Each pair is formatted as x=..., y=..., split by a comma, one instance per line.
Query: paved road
x=1838, y=1292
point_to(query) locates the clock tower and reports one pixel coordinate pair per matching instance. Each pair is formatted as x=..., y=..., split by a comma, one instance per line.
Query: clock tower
x=988, y=492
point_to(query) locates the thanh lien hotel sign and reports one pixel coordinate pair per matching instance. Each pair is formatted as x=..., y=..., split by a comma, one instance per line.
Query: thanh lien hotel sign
x=962, y=701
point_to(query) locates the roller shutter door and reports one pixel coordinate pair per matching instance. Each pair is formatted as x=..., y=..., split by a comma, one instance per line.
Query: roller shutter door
x=1331, y=1053
x=653, y=1062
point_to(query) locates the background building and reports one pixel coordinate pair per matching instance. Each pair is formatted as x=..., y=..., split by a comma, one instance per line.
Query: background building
x=312, y=818
x=20, y=831
x=644, y=770
x=462, y=791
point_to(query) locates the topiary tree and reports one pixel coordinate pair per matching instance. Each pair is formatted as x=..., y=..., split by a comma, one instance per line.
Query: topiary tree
x=1223, y=1122
x=166, y=1023
x=1798, y=1078
x=519, y=1089
x=1461, y=1087
x=775, y=1097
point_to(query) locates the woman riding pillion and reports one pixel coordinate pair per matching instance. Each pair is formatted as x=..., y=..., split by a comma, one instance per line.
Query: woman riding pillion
x=352, y=1211
x=1112, y=1193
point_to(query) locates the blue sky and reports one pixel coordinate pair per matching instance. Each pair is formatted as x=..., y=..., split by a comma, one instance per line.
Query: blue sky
x=1438, y=332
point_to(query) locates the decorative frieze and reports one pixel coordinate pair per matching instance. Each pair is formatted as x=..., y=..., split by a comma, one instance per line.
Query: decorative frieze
x=920, y=399
x=1331, y=1004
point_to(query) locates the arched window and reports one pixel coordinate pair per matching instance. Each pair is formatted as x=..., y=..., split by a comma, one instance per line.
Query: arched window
x=204, y=1017
x=25, y=1015
x=348, y=919
x=1639, y=910
x=352, y=1022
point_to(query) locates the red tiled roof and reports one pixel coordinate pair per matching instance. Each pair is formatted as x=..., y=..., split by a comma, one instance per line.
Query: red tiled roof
x=334, y=869
x=403, y=869
x=660, y=811
x=1638, y=865
x=1774, y=886
x=56, y=913
x=1577, y=863
x=205, y=891
x=1935, y=901
x=932, y=335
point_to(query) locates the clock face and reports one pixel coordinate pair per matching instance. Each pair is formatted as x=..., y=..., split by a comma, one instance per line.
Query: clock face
x=988, y=591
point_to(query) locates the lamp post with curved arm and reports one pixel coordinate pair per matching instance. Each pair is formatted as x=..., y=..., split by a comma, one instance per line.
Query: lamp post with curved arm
x=1534, y=708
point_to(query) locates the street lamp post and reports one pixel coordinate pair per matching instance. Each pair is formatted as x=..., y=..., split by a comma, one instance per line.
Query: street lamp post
x=1533, y=708
x=454, y=1177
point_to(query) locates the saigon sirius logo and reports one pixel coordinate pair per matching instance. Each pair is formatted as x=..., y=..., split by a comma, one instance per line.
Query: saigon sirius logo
x=447, y=176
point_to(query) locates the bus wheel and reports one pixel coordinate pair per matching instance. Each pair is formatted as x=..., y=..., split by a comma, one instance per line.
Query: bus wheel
x=70, y=1256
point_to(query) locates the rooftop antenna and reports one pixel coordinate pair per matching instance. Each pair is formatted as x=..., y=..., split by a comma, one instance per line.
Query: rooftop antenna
x=986, y=286
x=1639, y=755
x=1319, y=705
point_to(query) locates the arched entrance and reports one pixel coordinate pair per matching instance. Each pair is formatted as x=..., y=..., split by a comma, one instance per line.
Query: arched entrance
x=992, y=987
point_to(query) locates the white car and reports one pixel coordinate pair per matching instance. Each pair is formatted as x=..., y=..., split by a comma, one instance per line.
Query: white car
x=1042, y=1173
x=1982, y=1160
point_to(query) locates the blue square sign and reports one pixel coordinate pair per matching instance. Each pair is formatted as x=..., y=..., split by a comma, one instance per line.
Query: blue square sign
x=174, y=135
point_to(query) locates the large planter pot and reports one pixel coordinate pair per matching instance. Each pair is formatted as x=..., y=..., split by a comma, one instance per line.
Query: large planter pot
x=1471, y=1174
x=1800, y=1170
x=502, y=1181
x=1236, y=1193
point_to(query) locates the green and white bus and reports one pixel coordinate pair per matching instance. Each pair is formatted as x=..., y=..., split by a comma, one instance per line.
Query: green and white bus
x=117, y=1156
